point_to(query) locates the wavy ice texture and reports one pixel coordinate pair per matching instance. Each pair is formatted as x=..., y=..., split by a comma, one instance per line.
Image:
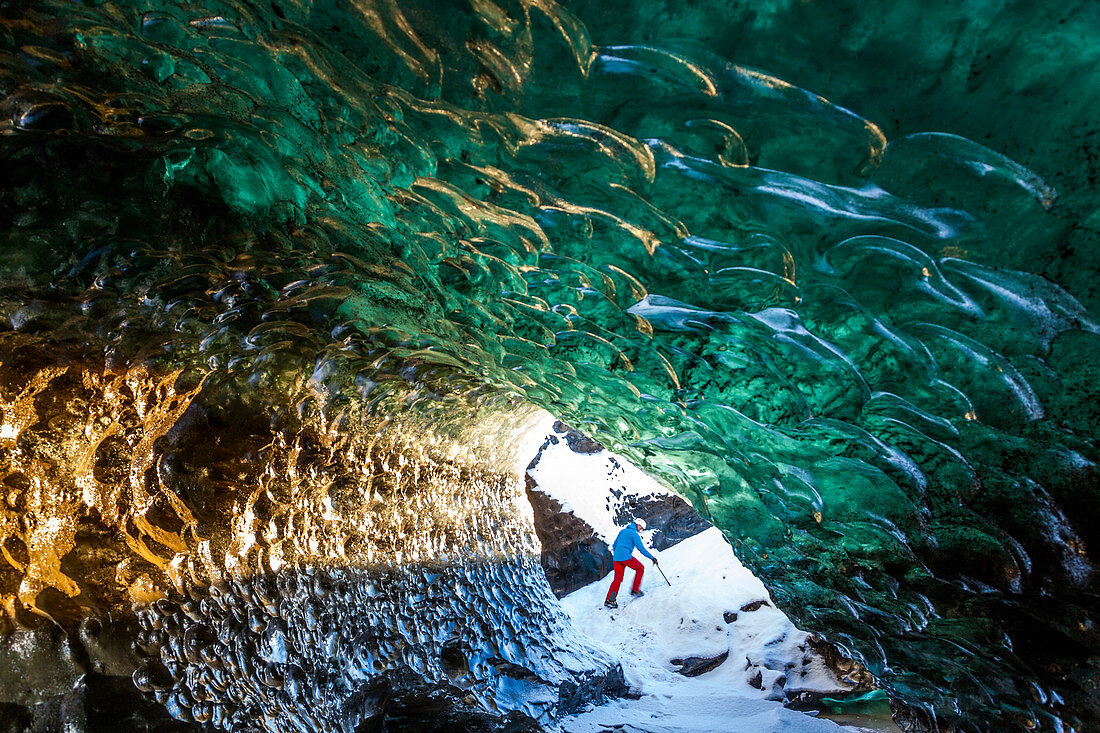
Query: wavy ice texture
x=331, y=220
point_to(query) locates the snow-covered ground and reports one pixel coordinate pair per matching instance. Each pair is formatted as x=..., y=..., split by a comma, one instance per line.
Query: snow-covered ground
x=700, y=615
x=686, y=620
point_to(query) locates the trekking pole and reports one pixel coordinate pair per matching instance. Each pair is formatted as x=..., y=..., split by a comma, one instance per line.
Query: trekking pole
x=662, y=572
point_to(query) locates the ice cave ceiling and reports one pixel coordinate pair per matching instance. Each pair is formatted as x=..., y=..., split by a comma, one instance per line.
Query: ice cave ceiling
x=282, y=281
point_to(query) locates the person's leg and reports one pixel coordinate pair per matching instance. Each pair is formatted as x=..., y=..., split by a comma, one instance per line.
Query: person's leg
x=619, y=568
x=638, y=569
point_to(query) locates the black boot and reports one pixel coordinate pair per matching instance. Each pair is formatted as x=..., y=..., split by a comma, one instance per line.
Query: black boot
x=637, y=593
x=610, y=602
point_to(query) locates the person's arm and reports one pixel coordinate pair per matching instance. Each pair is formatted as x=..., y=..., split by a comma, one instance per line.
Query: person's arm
x=641, y=546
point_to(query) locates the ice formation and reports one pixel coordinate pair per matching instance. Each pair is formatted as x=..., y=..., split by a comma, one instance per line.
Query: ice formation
x=284, y=282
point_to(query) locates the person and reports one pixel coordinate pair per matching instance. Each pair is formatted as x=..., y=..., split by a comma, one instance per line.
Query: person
x=622, y=553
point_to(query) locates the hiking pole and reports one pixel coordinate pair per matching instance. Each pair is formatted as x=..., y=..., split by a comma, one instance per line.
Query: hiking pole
x=662, y=572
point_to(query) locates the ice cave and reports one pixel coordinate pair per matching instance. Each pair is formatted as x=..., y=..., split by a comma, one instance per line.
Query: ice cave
x=339, y=339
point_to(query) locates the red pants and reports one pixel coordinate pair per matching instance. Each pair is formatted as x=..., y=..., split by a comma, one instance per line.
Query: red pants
x=634, y=565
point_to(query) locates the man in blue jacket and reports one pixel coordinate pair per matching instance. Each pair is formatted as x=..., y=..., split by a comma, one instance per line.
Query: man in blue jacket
x=622, y=553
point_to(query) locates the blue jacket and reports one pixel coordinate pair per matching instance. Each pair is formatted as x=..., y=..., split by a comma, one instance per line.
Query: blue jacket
x=625, y=542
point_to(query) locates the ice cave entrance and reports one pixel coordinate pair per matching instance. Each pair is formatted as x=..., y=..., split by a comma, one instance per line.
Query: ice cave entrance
x=704, y=649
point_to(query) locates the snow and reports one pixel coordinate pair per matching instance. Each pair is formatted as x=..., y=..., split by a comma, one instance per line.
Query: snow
x=686, y=620
x=682, y=620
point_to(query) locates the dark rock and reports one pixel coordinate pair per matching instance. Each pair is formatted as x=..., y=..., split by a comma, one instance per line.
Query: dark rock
x=754, y=606
x=572, y=556
x=578, y=442
x=574, y=696
x=401, y=701
x=819, y=699
x=695, y=666
x=671, y=518
x=757, y=680
x=729, y=616
x=806, y=701
x=550, y=440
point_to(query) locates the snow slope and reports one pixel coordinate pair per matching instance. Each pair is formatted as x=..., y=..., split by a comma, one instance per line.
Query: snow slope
x=768, y=656
x=686, y=620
